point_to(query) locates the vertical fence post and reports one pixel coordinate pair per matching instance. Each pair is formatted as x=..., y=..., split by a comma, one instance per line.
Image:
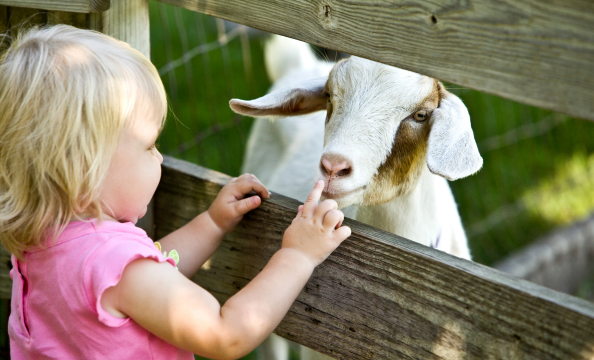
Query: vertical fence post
x=126, y=20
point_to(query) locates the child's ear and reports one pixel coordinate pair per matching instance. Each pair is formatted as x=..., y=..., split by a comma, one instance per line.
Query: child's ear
x=300, y=99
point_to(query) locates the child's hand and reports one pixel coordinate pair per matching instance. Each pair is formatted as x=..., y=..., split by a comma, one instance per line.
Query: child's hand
x=317, y=230
x=230, y=205
x=235, y=329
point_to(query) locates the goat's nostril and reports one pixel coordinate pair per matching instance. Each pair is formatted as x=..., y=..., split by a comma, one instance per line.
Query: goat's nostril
x=335, y=168
x=344, y=172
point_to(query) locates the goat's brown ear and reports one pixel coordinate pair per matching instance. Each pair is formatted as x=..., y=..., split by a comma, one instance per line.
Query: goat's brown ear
x=452, y=151
x=300, y=99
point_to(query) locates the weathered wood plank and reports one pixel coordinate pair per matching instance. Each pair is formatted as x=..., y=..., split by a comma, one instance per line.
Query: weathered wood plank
x=126, y=20
x=380, y=296
x=95, y=21
x=80, y=6
x=20, y=19
x=536, y=52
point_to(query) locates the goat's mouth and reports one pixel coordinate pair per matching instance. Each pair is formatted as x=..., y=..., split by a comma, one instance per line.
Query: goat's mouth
x=343, y=195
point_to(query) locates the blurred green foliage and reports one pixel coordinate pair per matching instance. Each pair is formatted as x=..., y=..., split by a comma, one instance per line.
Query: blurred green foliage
x=528, y=187
x=200, y=89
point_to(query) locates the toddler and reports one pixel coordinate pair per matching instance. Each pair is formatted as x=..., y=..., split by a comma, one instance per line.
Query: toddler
x=79, y=116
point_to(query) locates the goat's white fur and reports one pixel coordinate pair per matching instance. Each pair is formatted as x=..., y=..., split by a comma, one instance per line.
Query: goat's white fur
x=370, y=100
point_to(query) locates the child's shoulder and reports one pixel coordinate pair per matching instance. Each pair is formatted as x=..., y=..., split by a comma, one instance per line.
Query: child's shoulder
x=107, y=241
x=93, y=233
x=90, y=241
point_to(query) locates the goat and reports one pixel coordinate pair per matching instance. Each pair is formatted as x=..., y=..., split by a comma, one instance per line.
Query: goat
x=387, y=142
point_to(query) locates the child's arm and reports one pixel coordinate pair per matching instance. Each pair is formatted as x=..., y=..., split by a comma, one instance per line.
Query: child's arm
x=180, y=312
x=196, y=241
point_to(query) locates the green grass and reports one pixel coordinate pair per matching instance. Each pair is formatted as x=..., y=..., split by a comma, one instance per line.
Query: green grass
x=200, y=90
x=546, y=178
x=524, y=190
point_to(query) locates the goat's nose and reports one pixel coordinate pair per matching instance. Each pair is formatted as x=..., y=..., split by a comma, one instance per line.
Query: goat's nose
x=336, y=167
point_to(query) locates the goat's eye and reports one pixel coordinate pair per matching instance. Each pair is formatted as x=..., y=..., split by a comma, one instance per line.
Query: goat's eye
x=328, y=111
x=421, y=115
x=327, y=94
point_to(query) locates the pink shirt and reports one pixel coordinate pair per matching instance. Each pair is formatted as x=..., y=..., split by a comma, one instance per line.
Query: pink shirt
x=56, y=308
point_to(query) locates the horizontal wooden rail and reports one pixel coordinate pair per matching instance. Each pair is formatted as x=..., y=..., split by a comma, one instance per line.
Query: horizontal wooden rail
x=126, y=20
x=79, y=6
x=381, y=296
x=536, y=52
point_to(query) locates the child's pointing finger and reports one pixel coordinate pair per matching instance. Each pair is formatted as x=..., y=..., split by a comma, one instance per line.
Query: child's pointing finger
x=312, y=200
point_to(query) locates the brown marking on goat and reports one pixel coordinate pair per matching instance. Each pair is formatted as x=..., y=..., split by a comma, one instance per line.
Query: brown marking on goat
x=441, y=91
x=404, y=165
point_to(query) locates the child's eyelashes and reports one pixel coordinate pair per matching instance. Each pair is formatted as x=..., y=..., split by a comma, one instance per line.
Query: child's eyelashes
x=154, y=146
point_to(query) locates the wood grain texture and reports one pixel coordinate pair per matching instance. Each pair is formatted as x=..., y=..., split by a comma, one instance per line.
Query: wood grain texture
x=80, y=6
x=536, y=52
x=95, y=21
x=379, y=296
x=126, y=20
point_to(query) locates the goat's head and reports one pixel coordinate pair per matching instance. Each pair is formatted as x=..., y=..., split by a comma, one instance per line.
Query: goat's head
x=383, y=124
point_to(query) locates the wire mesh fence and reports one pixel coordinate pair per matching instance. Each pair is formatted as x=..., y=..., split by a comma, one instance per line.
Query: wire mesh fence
x=204, y=62
x=538, y=165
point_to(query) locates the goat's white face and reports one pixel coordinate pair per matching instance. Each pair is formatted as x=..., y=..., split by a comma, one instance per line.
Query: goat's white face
x=374, y=147
x=383, y=126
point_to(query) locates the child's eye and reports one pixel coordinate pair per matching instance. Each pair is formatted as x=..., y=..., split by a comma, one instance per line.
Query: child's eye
x=154, y=146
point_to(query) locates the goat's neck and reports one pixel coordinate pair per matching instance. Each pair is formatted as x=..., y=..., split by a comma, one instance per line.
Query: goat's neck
x=415, y=215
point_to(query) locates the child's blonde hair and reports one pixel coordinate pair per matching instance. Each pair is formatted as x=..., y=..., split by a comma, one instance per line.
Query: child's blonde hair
x=65, y=96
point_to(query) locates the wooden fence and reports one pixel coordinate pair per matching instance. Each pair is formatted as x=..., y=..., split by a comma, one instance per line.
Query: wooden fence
x=536, y=52
x=379, y=295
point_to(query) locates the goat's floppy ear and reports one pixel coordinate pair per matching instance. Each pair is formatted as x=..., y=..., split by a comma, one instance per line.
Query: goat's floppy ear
x=452, y=151
x=300, y=99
